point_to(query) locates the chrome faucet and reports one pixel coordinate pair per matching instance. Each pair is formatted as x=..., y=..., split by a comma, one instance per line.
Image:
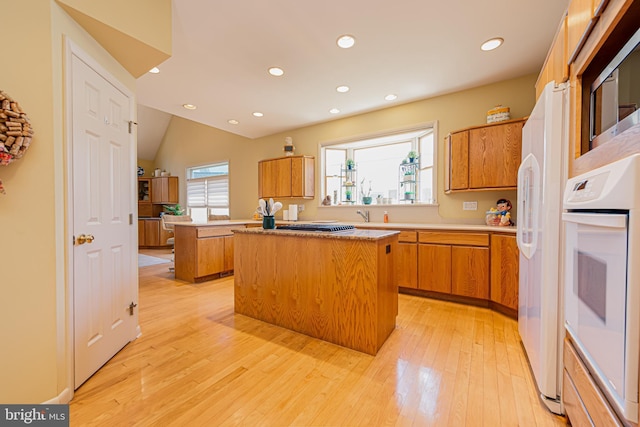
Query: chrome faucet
x=364, y=215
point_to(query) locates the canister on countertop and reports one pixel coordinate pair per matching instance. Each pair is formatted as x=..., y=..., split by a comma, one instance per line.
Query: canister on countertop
x=293, y=212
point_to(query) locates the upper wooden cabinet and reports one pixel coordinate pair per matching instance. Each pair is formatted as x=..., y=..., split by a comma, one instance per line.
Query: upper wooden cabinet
x=164, y=189
x=484, y=157
x=580, y=20
x=154, y=192
x=292, y=176
x=556, y=66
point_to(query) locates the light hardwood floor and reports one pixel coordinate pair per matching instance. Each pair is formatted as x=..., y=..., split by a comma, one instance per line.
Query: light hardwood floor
x=199, y=364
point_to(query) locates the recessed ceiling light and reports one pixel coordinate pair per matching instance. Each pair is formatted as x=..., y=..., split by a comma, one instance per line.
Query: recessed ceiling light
x=346, y=41
x=154, y=70
x=342, y=89
x=233, y=122
x=276, y=71
x=334, y=111
x=257, y=114
x=493, y=43
x=391, y=97
x=189, y=106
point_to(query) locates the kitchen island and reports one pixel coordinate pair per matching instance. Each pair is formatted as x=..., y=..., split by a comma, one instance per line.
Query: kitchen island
x=336, y=286
x=204, y=251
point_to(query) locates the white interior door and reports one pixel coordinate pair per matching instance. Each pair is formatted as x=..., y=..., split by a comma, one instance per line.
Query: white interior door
x=105, y=281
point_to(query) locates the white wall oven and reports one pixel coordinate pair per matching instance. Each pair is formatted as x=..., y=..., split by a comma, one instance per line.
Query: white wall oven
x=602, y=277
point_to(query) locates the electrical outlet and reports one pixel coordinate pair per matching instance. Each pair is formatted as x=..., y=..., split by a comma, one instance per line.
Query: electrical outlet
x=469, y=206
x=300, y=208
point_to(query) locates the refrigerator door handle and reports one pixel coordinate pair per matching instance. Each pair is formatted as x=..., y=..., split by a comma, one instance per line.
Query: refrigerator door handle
x=528, y=205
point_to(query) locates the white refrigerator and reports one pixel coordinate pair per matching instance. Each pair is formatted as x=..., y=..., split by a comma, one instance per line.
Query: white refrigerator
x=541, y=180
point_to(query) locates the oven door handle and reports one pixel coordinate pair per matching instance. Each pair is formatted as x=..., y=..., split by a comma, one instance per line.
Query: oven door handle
x=596, y=220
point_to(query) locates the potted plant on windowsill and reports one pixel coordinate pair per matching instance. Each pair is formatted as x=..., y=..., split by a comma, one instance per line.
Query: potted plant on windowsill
x=176, y=210
x=412, y=156
x=351, y=164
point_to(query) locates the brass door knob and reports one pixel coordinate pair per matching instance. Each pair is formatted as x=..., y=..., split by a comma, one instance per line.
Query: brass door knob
x=84, y=238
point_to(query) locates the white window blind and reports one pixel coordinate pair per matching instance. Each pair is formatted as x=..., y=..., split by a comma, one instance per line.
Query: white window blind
x=209, y=192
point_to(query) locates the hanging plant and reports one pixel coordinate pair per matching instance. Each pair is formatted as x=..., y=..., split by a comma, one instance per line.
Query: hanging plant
x=15, y=132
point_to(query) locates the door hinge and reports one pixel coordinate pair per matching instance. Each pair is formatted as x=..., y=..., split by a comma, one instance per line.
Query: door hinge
x=131, y=307
x=131, y=123
x=130, y=219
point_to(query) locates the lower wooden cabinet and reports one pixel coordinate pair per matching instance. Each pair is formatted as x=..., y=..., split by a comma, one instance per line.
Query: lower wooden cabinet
x=434, y=271
x=151, y=234
x=504, y=270
x=202, y=251
x=406, y=261
x=454, y=263
x=470, y=272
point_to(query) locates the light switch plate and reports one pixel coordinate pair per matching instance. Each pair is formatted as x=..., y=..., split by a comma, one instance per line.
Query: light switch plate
x=469, y=206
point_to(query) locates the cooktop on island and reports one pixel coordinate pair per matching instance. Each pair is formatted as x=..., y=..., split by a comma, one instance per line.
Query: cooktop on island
x=315, y=227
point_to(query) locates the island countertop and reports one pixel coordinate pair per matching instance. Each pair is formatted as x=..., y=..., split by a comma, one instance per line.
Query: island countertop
x=353, y=234
x=362, y=225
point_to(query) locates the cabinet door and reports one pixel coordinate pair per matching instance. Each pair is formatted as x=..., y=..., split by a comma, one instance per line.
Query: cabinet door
x=151, y=232
x=210, y=256
x=434, y=268
x=165, y=189
x=275, y=178
x=504, y=270
x=406, y=265
x=459, y=160
x=579, y=23
x=228, y=253
x=302, y=177
x=141, y=234
x=470, y=271
x=494, y=155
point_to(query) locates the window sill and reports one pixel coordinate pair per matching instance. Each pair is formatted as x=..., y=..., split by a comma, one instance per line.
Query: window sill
x=381, y=206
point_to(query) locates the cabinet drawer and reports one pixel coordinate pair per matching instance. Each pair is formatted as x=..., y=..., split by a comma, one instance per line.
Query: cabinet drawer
x=407, y=237
x=592, y=398
x=447, y=238
x=213, y=231
x=573, y=406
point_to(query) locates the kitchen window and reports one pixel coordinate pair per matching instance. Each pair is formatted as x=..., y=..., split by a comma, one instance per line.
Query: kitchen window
x=208, y=191
x=377, y=171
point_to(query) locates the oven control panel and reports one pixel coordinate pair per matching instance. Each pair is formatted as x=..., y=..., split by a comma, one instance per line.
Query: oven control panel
x=586, y=189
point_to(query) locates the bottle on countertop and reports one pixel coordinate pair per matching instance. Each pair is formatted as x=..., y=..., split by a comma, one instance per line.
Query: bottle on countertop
x=386, y=217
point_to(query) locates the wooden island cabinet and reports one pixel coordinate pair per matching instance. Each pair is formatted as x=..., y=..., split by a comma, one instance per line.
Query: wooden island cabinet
x=204, y=251
x=338, y=287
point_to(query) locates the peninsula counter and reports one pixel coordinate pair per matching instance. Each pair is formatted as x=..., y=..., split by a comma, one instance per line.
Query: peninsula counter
x=336, y=286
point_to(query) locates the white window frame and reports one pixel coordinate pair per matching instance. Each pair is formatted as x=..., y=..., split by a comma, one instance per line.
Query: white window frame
x=212, y=200
x=385, y=138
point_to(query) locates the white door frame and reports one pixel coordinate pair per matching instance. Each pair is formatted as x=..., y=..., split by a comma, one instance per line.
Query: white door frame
x=72, y=49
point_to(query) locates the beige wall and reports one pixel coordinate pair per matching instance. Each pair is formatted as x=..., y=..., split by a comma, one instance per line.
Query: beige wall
x=147, y=165
x=34, y=305
x=187, y=143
